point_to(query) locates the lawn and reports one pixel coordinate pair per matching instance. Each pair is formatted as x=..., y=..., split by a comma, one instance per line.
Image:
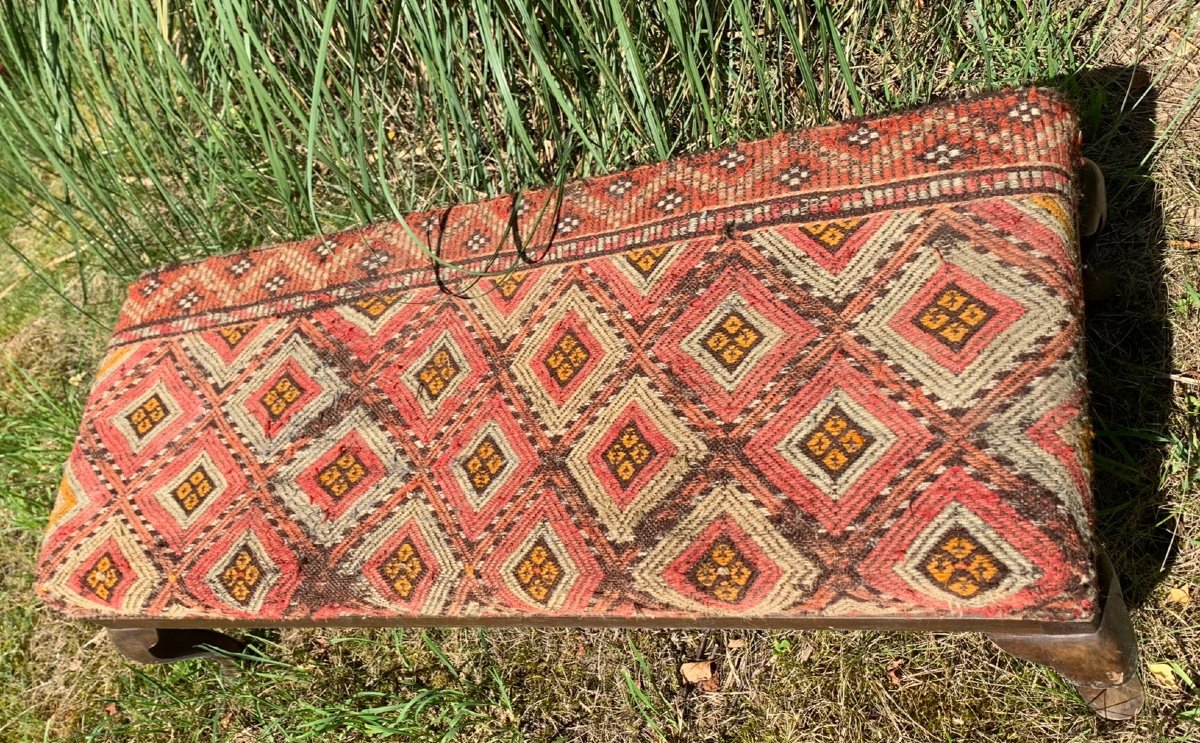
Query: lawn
x=136, y=132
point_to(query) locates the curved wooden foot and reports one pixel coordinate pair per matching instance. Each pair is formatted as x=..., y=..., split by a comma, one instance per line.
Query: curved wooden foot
x=1118, y=703
x=1099, y=285
x=151, y=645
x=1101, y=664
x=1093, y=200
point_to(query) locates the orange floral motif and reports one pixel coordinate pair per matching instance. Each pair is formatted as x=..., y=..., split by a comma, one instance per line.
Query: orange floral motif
x=731, y=340
x=233, y=334
x=538, y=573
x=509, y=285
x=834, y=233
x=147, y=415
x=438, y=373
x=954, y=317
x=375, y=305
x=723, y=573
x=628, y=454
x=241, y=576
x=837, y=442
x=342, y=474
x=566, y=358
x=645, y=260
x=403, y=570
x=484, y=464
x=280, y=397
x=964, y=567
x=193, y=490
x=103, y=577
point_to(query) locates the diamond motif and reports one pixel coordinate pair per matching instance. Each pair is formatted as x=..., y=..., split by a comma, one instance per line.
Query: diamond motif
x=406, y=563
x=569, y=330
x=958, y=368
x=509, y=284
x=837, y=443
x=242, y=576
x=438, y=373
x=567, y=224
x=632, y=457
x=962, y=566
x=939, y=552
x=724, y=550
x=154, y=402
x=863, y=136
x=723, y=572
x=794, y=176
x=484, y=464
x=188, y=301
x=233, y=334
x=192, y=491
x=146, y=417
x=731, y=160
x=944, y=154
x=478, y=241
x=103, y=577
x=271, y=409
x=566, y=358
x=732, y=340
x=544, y=562
x=225, y=352
x=1025, y=111
x=726, y=362
x=375, y=261
x=620, y=186
x=834, y=233
x=274, y=284
x=670, y=201
x=538, y=573
x=628, y=454
x=834, y=260
x=747, y=366
x=433, y=376
x=281, y=395
x=403, y=569
x=375, y=305
x=483, y=472
x=954, y=317
x=645, y=260
x=342, y=474
x=365, y=323
x=107, y=570
x=335, y=481
x=179, y=500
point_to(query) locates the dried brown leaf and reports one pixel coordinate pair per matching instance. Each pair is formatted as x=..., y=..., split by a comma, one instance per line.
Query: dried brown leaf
x=702, y=674
x=1181, y=596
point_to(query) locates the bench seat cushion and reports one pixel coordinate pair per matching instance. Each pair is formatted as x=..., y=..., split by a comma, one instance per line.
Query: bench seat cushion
x=829, y=375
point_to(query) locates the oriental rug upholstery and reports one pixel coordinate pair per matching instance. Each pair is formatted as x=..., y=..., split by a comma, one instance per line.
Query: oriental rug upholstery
x=832, y=373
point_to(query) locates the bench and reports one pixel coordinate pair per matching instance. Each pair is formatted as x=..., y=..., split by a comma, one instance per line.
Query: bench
x=829, y=379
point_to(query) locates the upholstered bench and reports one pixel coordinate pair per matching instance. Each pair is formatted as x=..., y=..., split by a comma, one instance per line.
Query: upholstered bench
x=830, y=379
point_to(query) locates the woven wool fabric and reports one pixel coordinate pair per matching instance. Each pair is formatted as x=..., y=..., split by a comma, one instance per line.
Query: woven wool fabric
x=832, y=373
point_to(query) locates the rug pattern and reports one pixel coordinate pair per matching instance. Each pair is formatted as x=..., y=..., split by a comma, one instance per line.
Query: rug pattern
x=832, y=373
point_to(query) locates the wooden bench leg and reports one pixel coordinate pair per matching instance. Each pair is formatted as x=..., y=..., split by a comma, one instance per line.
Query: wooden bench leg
x=151, y=645
x=1102, y=664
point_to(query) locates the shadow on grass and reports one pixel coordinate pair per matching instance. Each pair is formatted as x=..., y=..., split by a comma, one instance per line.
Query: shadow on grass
x=1128, y=335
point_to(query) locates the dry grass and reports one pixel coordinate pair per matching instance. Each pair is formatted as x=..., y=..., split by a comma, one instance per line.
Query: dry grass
x=60, y=680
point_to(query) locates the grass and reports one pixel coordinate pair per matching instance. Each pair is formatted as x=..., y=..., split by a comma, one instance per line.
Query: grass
x=134, y=132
